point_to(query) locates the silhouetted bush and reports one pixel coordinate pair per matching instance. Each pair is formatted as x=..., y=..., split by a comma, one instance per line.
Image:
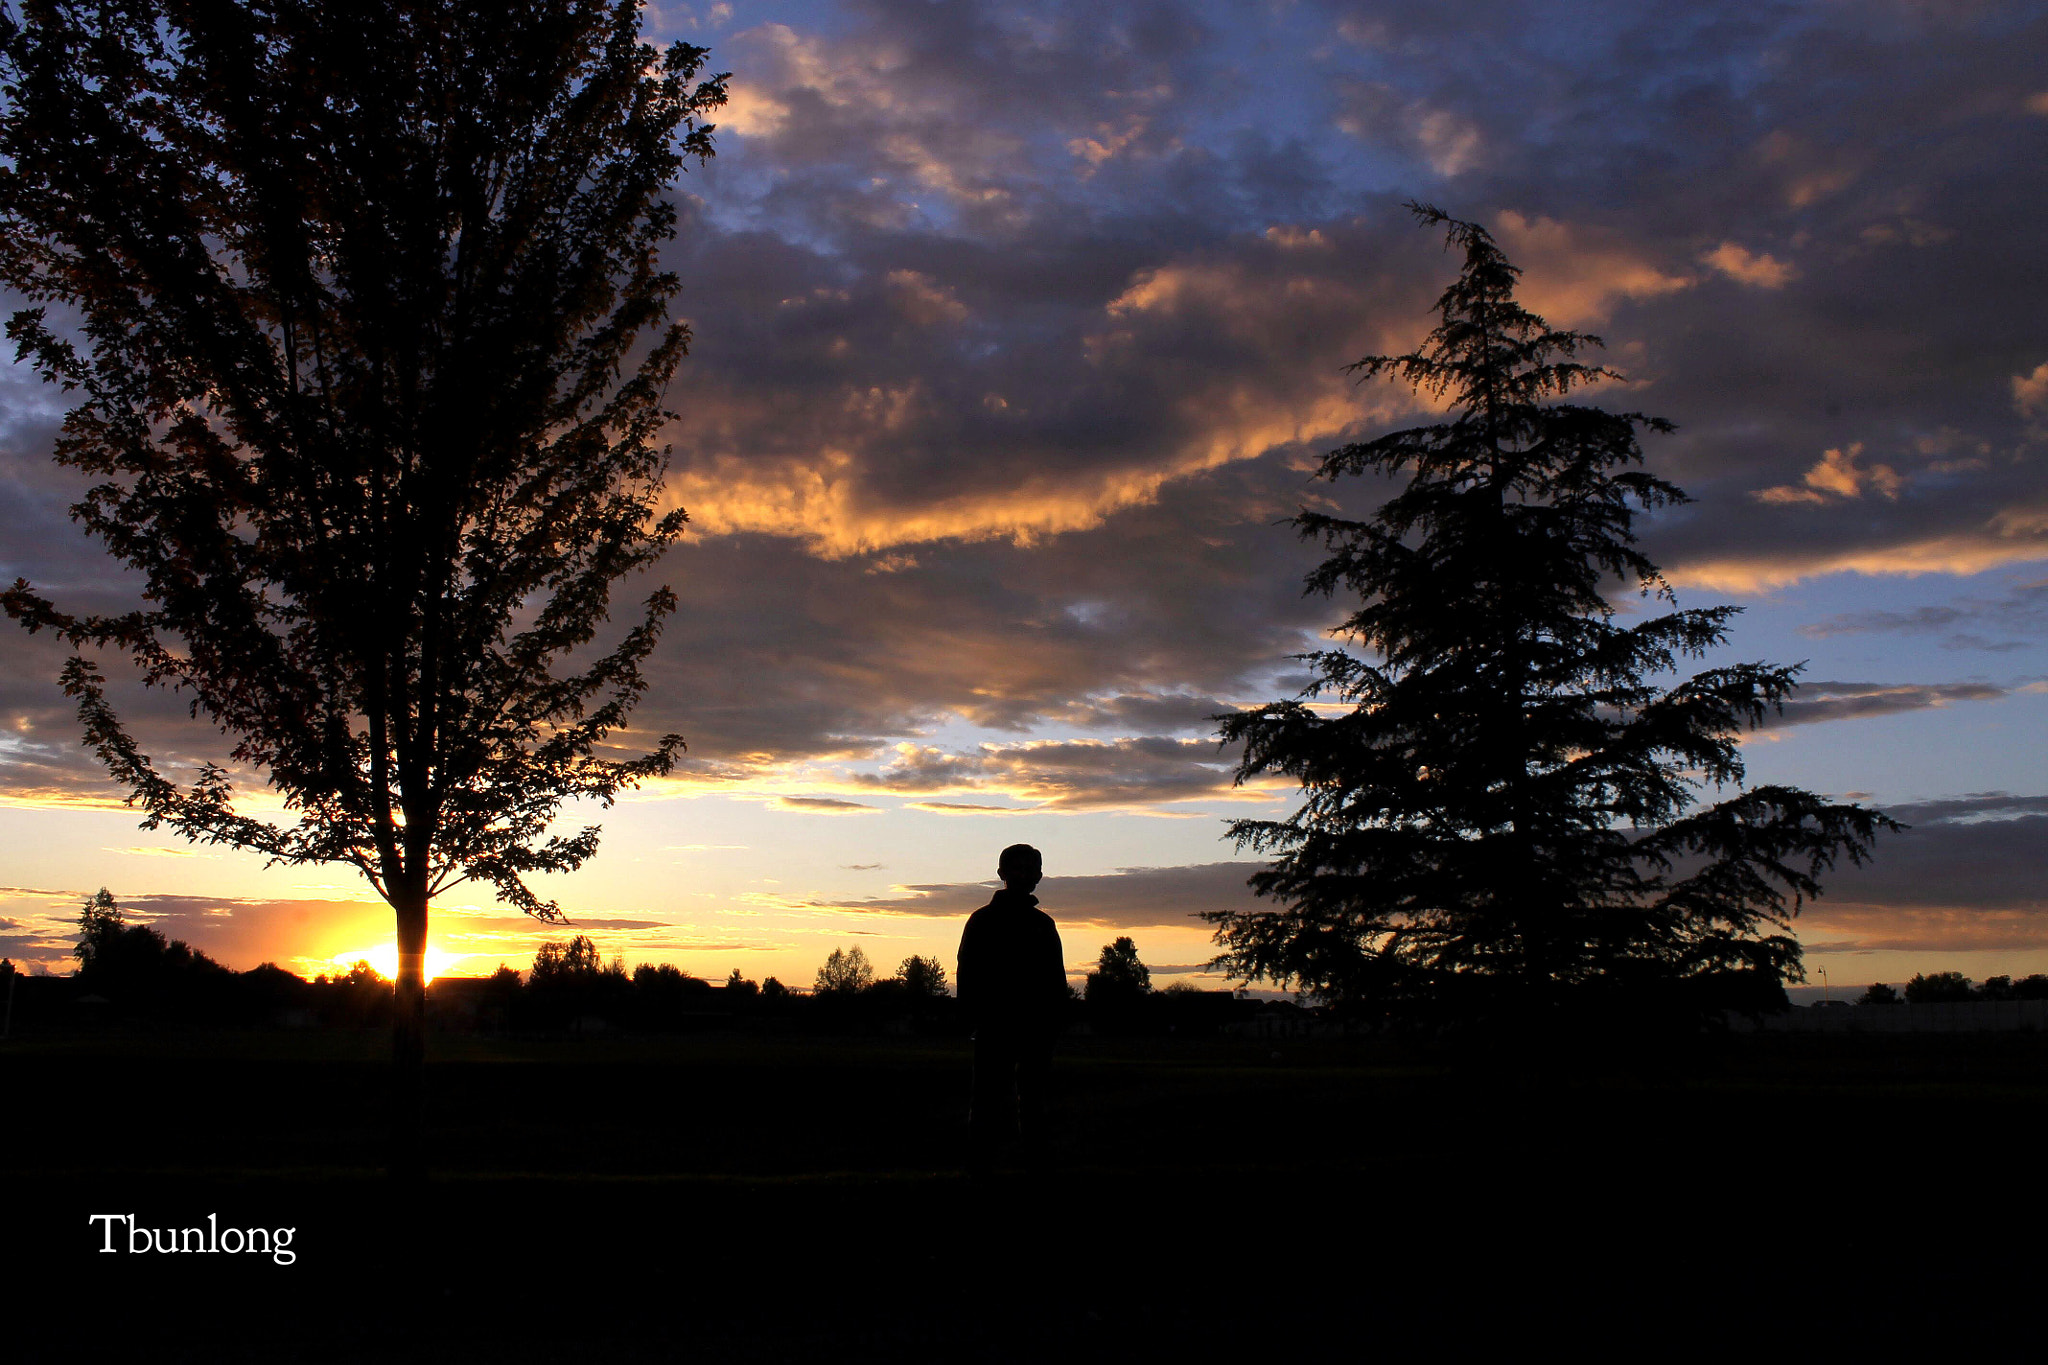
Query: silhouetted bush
x=1743, y=992
x=1185, y=1010
x=358, y=998
x=666, y=997
x=1939, y=988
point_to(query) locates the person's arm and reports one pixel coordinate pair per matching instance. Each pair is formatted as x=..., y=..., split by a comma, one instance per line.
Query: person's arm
x=1056, y=973
x=967, y=968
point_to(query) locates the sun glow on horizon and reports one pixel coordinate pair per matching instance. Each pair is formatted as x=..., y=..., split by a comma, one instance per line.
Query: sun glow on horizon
x=384, y=958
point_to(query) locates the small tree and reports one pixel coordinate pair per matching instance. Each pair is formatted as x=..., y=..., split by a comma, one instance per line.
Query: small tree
x=1499, y=814
x=101, y=931
x=558, y=962
x=135, y=962
x=370, y=357
x=1939, y=988
x=1878, y=994
x=846, y=972
x=922, y=978
x=1119, y=977
x=570, y=981
x=738, y=987
x=363, y=977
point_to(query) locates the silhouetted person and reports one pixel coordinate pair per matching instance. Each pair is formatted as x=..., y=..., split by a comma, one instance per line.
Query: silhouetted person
x=1013, y=989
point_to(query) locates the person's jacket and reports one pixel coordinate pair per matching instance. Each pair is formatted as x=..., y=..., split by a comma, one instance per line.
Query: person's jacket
x=1012, y=975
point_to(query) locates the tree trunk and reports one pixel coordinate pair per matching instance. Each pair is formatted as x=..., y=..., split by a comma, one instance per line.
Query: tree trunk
x=409, y=1043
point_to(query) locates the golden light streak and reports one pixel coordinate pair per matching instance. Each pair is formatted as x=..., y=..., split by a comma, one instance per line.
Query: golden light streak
x=383, y=957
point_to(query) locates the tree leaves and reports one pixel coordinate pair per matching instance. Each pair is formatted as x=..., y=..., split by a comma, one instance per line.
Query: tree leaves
x=371, y=350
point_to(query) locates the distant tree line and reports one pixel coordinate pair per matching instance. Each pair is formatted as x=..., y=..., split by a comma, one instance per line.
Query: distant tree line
x=130, y=970
x=133, y=971
x=1953, y=988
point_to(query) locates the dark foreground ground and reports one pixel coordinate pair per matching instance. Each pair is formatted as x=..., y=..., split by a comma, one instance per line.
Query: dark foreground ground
x=718, y=1197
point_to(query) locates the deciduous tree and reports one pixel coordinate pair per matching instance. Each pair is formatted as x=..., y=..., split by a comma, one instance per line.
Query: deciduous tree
x=363, y=309
x=555, y=962
x=1499, y=801
x=847, y=971
x=1119, y=976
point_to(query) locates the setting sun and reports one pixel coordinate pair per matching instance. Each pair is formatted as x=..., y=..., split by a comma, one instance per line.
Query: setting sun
x=384, y=957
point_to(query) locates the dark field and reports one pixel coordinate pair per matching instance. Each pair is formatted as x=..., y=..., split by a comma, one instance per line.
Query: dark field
x=717, y=1197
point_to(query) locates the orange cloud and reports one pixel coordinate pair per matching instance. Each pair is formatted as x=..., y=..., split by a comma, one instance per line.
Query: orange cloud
x=1205, y=345
x=1812, y=172
x=823, y=805
x=2009, y=538
x=1448, y=143
x=1575, y=275
x=1881, y=928
x=2030, y=392
x=1108, y=142
x=1760, y=270
x=1836, y=473
x=922, y=301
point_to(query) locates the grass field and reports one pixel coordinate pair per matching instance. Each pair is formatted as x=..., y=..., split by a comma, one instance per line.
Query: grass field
x=726, y=1197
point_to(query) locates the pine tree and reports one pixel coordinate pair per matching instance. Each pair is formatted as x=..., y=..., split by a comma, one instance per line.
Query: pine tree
x=1500, y=806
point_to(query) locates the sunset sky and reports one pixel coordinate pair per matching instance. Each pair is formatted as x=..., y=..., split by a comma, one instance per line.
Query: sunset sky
x=1019, y=325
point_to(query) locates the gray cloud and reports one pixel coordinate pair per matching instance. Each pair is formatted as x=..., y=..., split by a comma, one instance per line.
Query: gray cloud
x=1146, y=713
x=1971, y=808
x=1067, y=775
x=1972, y=623
x=1971, y=874
x=1133, y=627
x=1016, y=325
x=1816, y=702
x=1131, y=898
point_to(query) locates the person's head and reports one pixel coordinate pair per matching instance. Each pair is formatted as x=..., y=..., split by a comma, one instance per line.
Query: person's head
x=1020, y=867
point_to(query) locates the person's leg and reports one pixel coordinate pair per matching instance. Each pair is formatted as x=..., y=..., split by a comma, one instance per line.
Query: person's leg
x=993, y=1107
x=1033, y=1061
